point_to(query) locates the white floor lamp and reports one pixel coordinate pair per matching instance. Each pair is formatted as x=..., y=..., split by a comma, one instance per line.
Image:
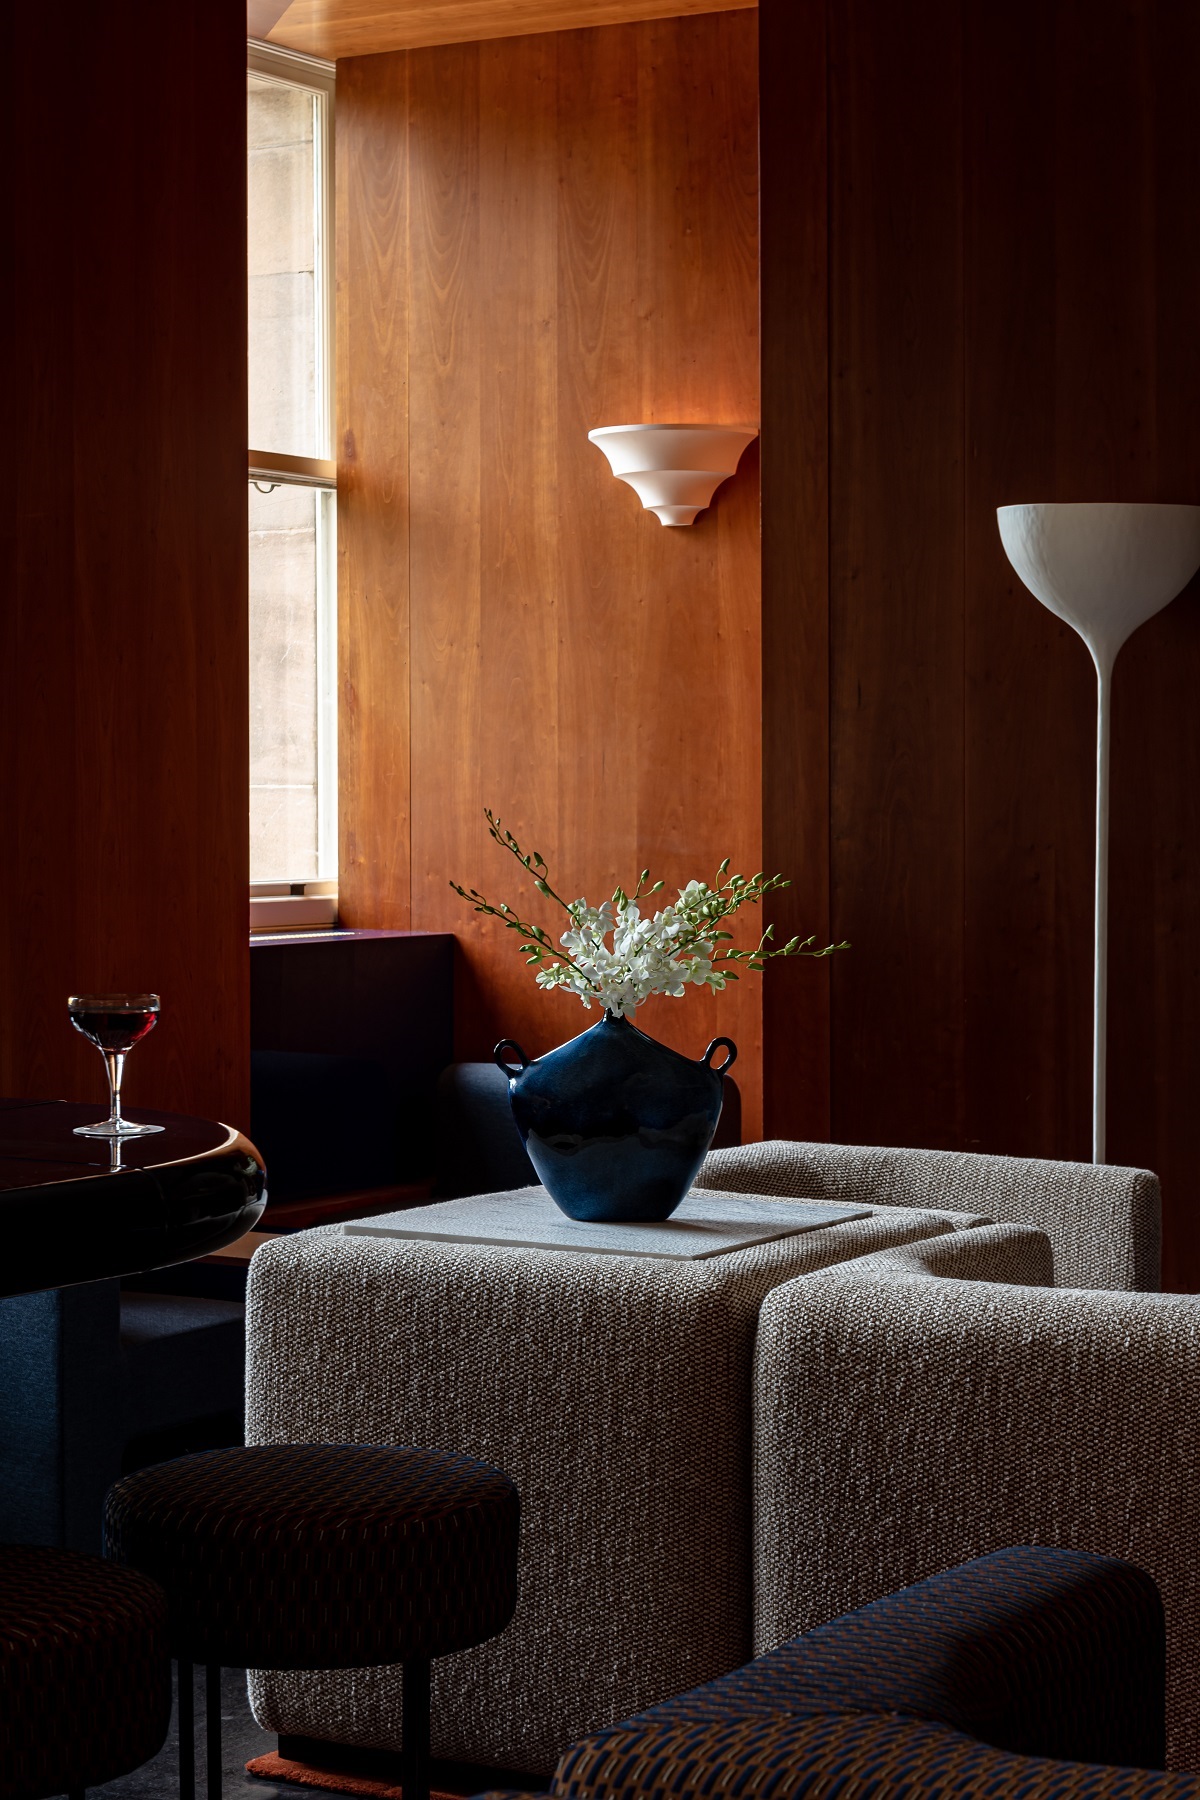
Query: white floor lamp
x=1105, y=569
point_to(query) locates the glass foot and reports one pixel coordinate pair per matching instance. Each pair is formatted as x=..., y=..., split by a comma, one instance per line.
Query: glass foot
x=123, y=1129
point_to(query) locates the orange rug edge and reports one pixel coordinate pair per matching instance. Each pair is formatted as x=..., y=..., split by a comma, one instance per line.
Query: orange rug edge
x=333, y=1781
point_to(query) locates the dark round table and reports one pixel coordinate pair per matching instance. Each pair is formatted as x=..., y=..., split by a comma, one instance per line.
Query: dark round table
x=75, y=1209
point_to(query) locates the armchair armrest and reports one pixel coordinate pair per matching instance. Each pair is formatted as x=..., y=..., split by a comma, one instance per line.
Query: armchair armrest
x=982, y=1415
x=1103, y=1222
x=899, y=1759
x=982, y=1679
x=866, y=1756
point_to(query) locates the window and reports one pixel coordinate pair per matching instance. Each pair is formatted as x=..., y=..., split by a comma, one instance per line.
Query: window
x=293, y=723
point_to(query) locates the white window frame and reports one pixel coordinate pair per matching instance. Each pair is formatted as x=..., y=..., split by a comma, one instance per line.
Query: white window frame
x=303, y=904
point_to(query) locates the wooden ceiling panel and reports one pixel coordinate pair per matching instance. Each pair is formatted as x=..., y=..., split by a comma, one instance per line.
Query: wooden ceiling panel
x=262, y=15
x=333, y=28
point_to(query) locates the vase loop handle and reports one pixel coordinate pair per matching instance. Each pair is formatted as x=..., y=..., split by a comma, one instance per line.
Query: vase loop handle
x=717, y=1044
x=502, y=1061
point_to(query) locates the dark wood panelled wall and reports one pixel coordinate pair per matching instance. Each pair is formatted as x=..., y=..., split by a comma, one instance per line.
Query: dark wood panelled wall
x=123, y=621
x=540, y=235
x=980, y=275
x=1009, y=196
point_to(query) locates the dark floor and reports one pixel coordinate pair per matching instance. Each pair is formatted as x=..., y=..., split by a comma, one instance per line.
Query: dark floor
x=241, y=1739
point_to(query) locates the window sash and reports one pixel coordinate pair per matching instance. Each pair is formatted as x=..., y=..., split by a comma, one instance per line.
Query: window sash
x=265, y=465
x=291, y=69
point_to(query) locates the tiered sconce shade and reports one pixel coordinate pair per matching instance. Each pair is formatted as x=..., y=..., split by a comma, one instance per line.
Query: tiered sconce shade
x=674, y=469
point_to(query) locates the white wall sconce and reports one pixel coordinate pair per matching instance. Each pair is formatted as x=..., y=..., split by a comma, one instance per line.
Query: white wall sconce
x=673, y=469
x=1104, y=568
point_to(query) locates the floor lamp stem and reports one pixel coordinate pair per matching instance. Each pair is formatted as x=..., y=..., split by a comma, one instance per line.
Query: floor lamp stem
x=1100, y=976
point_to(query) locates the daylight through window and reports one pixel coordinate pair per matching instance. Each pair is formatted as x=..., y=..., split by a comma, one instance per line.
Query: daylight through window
x=293, y=778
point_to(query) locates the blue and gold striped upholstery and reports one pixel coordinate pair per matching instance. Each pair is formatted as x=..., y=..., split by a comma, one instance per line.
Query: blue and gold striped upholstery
x=85, y=1673
x=1030, y=1672
x=1049, y=1652
x=863, y=1757
x=322, y=1556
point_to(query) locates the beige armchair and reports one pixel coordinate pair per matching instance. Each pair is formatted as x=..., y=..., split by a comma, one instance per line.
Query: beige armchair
x=909, y=1415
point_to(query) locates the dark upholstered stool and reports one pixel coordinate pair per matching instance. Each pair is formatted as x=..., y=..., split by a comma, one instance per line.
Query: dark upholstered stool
x=85, y=1672
x=305, y=1556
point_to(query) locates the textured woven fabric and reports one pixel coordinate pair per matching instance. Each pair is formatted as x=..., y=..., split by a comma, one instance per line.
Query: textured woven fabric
x=1102, y=1222
x=839, y=1757
x=1013, y=1255
x=616, y=1391
x=322, y=1556
x=1045, y=1652
x=85, y=1673
x=1000, y=1414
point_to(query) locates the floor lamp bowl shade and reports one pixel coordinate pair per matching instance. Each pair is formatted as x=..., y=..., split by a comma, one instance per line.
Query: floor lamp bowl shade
x=673, y=469
x=1104, y=567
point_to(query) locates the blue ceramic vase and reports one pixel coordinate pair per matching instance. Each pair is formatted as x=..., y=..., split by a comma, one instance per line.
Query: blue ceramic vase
x=615, y=1124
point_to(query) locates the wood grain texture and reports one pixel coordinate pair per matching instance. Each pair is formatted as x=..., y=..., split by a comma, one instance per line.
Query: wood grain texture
x=1012, y=272
x=580, y=224
x=978, y=286
x=262, y=16
x=1082, y=374
x=794, y=267
x=1031, y=691
x=124, y=624
x=896, y=534
x=1145, y=423
x=344, y=28
x=373, y=496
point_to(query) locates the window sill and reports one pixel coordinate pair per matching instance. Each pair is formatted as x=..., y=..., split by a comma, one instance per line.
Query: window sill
x=292, y=912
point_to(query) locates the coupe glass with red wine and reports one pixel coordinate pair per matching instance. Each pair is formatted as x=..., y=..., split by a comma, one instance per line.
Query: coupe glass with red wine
x=114, y=1023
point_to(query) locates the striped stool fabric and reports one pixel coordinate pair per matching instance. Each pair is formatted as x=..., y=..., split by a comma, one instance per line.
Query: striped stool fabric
x=323, y=1557
x=85, y=1672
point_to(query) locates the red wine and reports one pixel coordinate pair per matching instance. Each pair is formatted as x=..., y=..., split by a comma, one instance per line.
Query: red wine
x=115, y=1029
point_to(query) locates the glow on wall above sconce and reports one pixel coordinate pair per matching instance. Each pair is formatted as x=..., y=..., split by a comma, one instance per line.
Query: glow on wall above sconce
x=673, y=469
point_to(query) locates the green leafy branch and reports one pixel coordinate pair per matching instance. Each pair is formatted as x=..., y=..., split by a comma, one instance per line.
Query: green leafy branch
x=688, y=937
x=538, y=948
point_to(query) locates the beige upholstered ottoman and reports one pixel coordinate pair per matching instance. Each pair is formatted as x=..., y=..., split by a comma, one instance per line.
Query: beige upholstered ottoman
x=616, y=1391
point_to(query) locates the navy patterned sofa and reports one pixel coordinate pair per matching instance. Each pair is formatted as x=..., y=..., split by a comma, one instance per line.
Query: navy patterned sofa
x=1030, y=1673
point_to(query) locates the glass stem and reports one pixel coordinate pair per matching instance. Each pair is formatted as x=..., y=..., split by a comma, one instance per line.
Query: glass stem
x=114, y=1062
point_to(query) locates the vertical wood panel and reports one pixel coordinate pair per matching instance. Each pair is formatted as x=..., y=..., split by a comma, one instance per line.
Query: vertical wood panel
x=795, y=551
x=1082, y=373
x=598, y=383
x=373, y=492
x=519, y=755
x=1040, y=350
x=1031, y=720
x=124, y=650
x=581, y=223
x=1154, y=1062
x=896, y=535
x=697, y=746
x=448, y=305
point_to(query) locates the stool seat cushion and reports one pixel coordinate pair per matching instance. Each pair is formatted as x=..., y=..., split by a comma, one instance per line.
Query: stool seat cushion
x=85, y=1672
x=322, y=1556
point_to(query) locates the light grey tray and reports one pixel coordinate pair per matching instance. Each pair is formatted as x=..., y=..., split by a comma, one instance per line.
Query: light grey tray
x=709, y=1223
